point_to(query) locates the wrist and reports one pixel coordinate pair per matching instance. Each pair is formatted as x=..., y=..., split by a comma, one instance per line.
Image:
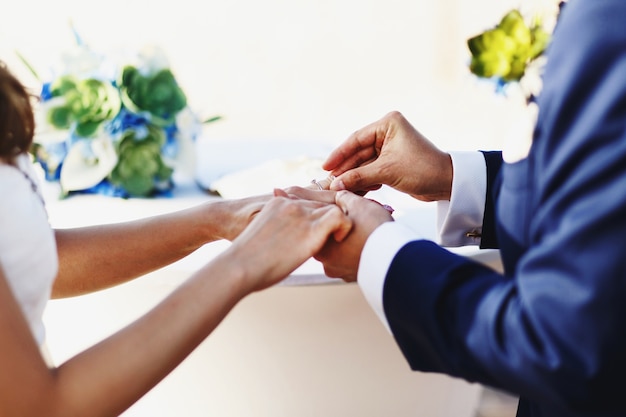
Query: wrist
x=226, y=219
x=447, y=173
x=435, y=183
x=233, y=269
x=223, y=280
x=214, y=220
x=248, y=271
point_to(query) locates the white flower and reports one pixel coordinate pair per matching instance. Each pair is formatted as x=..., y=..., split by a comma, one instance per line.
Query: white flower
x=45, y=133
x=88, y=162
x=81, y=62
x=151, y=59
x=189, y=128
x=532, y=81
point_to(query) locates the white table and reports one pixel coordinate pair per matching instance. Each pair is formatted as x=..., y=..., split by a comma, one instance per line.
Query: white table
x=304, y=348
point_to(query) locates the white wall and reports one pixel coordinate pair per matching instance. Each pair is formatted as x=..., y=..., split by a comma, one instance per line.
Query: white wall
x=291, y=69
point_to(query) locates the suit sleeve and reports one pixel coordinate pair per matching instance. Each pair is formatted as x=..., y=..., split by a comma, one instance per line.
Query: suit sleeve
x=551, y=329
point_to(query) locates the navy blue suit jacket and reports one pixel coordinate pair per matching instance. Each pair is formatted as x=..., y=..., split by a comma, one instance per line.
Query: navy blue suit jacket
x=552, y=328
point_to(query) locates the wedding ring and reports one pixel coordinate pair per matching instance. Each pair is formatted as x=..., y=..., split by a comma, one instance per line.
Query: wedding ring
x=319, y=186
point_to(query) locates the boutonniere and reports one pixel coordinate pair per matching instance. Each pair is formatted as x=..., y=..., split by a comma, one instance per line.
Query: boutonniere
x=510, y=52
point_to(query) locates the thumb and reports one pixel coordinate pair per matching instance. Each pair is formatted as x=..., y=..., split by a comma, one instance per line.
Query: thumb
x=362, y=179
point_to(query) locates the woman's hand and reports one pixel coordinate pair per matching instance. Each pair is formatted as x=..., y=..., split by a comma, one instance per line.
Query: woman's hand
x=235, y=215
x=341, y=259
x=392, y=152
x=320, y=185
x=283, y=235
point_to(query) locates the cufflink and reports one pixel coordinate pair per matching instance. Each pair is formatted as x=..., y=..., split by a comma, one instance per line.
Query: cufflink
x=474, y=233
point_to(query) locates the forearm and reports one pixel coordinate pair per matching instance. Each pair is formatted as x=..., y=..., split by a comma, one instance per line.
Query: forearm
x=96, y=257
x=132, y=361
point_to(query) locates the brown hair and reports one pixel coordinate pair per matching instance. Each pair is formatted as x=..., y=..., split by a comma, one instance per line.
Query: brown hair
x=17, y=123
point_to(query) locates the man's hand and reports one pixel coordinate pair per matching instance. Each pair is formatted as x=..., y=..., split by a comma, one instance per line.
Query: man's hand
x=283, y=235
x=341, y=257
x=392, y=152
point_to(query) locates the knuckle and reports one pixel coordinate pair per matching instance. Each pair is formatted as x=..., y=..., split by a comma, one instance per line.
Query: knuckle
x=354, y=178
x=342, y=194
x=394, y=115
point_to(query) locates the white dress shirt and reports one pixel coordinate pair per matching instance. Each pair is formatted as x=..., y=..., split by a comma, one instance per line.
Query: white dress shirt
x=457, y=218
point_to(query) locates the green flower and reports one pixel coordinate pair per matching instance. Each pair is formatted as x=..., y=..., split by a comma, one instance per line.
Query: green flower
x=140, y=167
x=156, y=93
x=507, y=49
x=86, y=104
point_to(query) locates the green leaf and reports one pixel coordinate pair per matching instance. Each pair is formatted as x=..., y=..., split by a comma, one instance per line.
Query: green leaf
x=60, y=117
x=157, y=93
x=476, y=44
x=87, y=129
x=165, y=172
x=62, y=85
x=211, y=119
x=505, y=50
x=88, y=104
x=540, y=41
x=138, y=185
x=140, y=165
x=28, y=65
x=510, y=20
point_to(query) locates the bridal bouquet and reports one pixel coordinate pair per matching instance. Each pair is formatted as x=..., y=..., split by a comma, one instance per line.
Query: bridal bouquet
x=511, y=52
x=115, y=129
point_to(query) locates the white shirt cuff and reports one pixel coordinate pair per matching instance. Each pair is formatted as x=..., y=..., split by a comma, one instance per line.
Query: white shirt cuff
x=378, y=253
x=462, y=217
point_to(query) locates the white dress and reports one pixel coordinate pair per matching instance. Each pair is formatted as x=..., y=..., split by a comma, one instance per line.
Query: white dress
x=28, y=253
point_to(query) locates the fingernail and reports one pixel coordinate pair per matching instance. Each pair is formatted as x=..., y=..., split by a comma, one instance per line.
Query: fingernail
x=385, y=206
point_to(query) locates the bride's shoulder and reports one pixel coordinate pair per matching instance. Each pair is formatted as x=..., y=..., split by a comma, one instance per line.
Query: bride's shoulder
x=16, y=178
